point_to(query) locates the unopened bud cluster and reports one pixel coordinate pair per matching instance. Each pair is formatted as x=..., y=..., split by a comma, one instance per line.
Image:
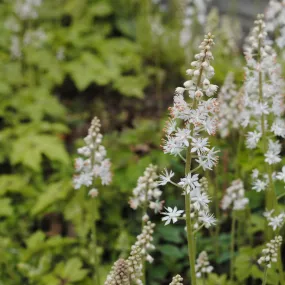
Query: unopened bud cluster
x=270, y=253
x=235, y=196
x=203, y=266
x=177, y=280
x=144, y=241
x=93, y=163
x=119, y=274
x=135, y=264
x=147, y=192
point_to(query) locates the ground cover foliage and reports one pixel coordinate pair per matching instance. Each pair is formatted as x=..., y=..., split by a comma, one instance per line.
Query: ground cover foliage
x=64, y=62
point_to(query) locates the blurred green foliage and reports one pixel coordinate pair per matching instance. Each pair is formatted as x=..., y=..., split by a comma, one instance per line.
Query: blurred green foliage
x=100, y=57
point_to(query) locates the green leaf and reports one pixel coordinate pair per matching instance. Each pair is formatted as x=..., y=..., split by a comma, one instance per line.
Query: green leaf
x=170, y=233
x=12, y=183
x=88, y=69
x=72, y=270
x=131, y=86
x=101, y=9
x=171, y=251
x=54, y=193
x=6, y=209
x=28, y=150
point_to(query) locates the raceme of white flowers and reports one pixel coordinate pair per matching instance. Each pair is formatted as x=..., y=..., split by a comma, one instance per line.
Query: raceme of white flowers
x=130, y=270
x=275, y=23
x=263, y=108
x=235, y=196
x=119, y=274
x=270, y=253
x=147, y=193
x=230, y=107
x=193, y=119
x=177, y=280
x=203, y=265
x=275, y=221
x=144, y=241
x=93, y=162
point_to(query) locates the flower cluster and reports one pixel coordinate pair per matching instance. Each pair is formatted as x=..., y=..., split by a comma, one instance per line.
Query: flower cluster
x=274, y=15
x=177, y=280
x=135, y=264
x=192, y=120
x=270, y=253
x=259, y=181
x=119, y=274
x=191, y=9
x=198, y=116
x=235, y=196
x=93, y=163
x=263, y=102
x=144, y=241
x=230, y=107
x=203, y=266
x=146, y=193
x=27, y=9
x=198, y=206
x=277, y=221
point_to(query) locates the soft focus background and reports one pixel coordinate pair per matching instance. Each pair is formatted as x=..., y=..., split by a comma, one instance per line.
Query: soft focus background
x=64, y=61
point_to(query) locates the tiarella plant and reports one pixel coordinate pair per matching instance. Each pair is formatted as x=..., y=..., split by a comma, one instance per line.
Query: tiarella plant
x=92, y=165
x=270, y=255
x=130, y=271
x=192, y=121
x=263, y=108
x=146, y=195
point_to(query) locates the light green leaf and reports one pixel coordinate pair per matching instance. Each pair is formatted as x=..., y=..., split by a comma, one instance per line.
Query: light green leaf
x=6, y=209
x=72, y=270
x=131, y=86
x=54, y=192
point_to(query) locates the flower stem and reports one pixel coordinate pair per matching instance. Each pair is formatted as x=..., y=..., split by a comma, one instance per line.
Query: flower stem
x=264, y=277
x=233, y=232
x=190, y=234
x=94, y=237
x=280, y=268
x=189, y=227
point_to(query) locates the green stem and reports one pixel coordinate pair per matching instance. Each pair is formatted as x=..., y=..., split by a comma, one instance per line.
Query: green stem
x=94, y=237
x=190, y=234
x=233, y=232
x=264, y=277
x=189, y=226
x=280, y=268
x=204, y=279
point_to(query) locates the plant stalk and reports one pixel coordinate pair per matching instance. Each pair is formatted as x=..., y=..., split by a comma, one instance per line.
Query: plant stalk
x=264, y=277
x=233, y=232
x=94, y=237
